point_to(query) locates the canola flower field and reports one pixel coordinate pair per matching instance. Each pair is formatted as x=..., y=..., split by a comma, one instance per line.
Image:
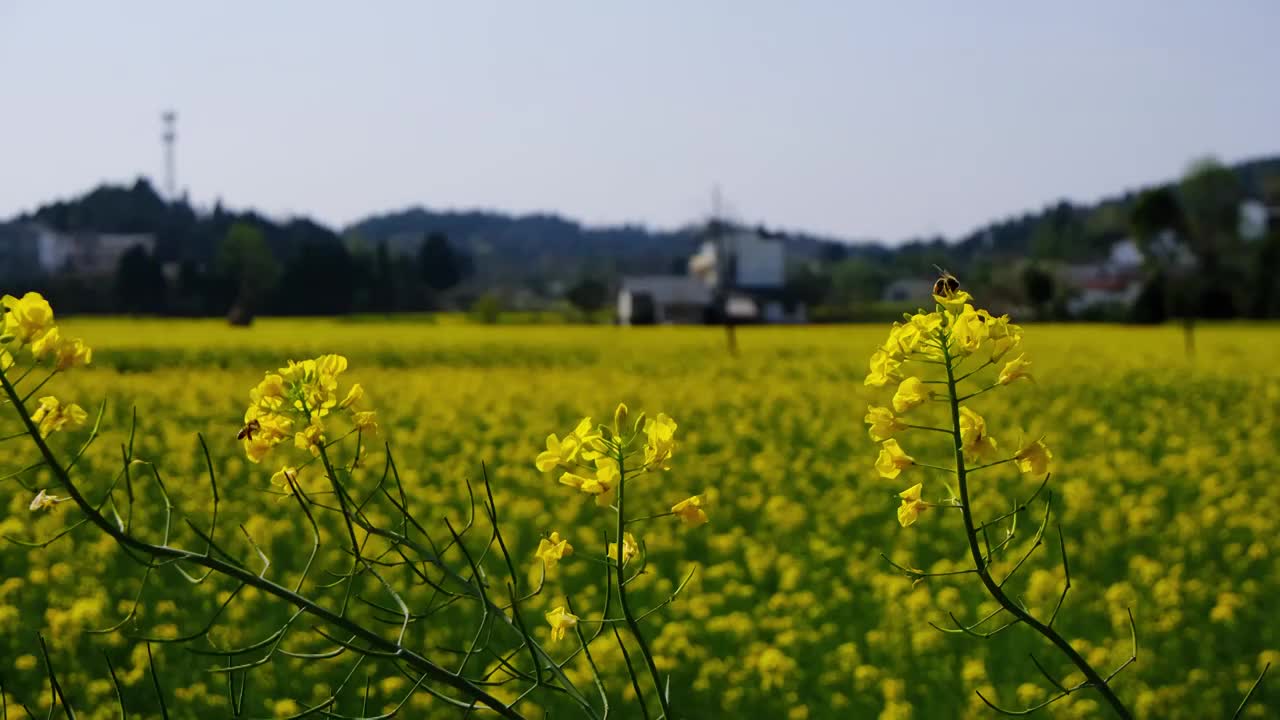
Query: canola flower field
x=1163, y=474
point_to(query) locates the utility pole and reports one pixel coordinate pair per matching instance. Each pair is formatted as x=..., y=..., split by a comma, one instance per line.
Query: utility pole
x=726, y=267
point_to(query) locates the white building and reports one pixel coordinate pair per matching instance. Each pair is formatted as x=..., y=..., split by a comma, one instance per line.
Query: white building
x=33, y=249
x=740, y=274
x=657, y=299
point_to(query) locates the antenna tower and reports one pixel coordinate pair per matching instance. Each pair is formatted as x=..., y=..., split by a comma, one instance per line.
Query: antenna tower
x=169, y=119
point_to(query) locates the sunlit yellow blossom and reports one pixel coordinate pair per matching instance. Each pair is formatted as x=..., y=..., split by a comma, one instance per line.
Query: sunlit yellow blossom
x=974, y=440
x=46, y=344
x=912, y=505
x=366, y=421
x=26, y=318
x=559, y=453
x=270, y=394
x=310, y=438
x=1015, y=369
x=1034, y=458
x=52, y=416
x=884, y=424
x=552, y=549
x=690, y=511
x=73, y=353
x=911, y=393
x=884, y=369
x=45, y=501
x=970, y=329
x=353, y=396
x=560, y=620
x=660, y=442
x=915, y=336
x=66, y=352
x=1005, y=336
x=629, y=549
x=602, y=484
x=6, y=360
x=286, y=478
x=892, y=460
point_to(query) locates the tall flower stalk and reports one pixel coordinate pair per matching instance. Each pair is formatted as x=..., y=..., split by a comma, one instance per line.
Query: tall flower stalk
x=925, y=356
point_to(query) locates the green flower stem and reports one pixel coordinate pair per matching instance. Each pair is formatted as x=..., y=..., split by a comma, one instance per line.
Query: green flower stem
x=1092, y=678
x=235, y=572
x=632, y=623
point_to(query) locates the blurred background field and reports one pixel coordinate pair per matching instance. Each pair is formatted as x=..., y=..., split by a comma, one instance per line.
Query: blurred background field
x=1164, y=478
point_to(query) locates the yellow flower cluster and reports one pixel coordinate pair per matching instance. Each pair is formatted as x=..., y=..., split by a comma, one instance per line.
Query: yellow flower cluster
x=588, y=457
x=28, y=321
x=300, y=395
x=946, y=337
x=597, y=460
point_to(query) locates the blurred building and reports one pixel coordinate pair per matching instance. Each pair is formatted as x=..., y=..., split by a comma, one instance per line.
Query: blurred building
x=30, y=250
x=737, y=275
x=908, y=290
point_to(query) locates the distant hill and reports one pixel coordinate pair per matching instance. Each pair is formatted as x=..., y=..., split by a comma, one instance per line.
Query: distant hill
x=543, y=254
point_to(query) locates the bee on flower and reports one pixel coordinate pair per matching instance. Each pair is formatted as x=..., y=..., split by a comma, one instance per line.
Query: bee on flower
x=296, y=401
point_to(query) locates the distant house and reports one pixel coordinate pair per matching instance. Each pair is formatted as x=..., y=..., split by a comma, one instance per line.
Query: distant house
x=1116, y=281
x=737, y=274
x=908, y=290
x=657, y=299
x=33, y=249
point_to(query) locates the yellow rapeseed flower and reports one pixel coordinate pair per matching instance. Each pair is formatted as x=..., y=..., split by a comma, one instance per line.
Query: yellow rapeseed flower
x=1015, y=369
x=552, y=549
x=72, y=353
x=690, y=511
x=310, y=438
x=353, y=396
x=660, y=442
x=560, y=620
x=911, y=393
x=629, y=549
x=974, y=440
x=52, y=416
x=884, y=369
x=6, y=360
x=884, y=424
x=26, y=318
x=892, y=460
x=912, y=505
x=559, y=453
x=1034, y=458
x=366, y=421
x=286, y=478
x=601, y=484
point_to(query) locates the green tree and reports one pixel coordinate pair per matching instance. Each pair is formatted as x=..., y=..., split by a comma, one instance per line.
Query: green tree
x=246, y=265
x=140, y=284
x=588, y=295
x=441, y=266
x=1038, y=285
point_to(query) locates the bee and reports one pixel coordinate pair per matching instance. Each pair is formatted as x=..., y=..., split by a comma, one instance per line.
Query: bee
x=946, y=285
x=246, y=432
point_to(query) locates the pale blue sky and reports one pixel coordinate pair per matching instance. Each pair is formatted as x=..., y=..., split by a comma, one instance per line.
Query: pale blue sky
x=854, y=119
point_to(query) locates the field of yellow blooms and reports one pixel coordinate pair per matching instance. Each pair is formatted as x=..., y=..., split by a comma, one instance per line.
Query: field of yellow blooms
x=1165, y=480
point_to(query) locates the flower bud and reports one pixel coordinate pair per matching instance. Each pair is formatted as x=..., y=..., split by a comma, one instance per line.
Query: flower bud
x=619, y=419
